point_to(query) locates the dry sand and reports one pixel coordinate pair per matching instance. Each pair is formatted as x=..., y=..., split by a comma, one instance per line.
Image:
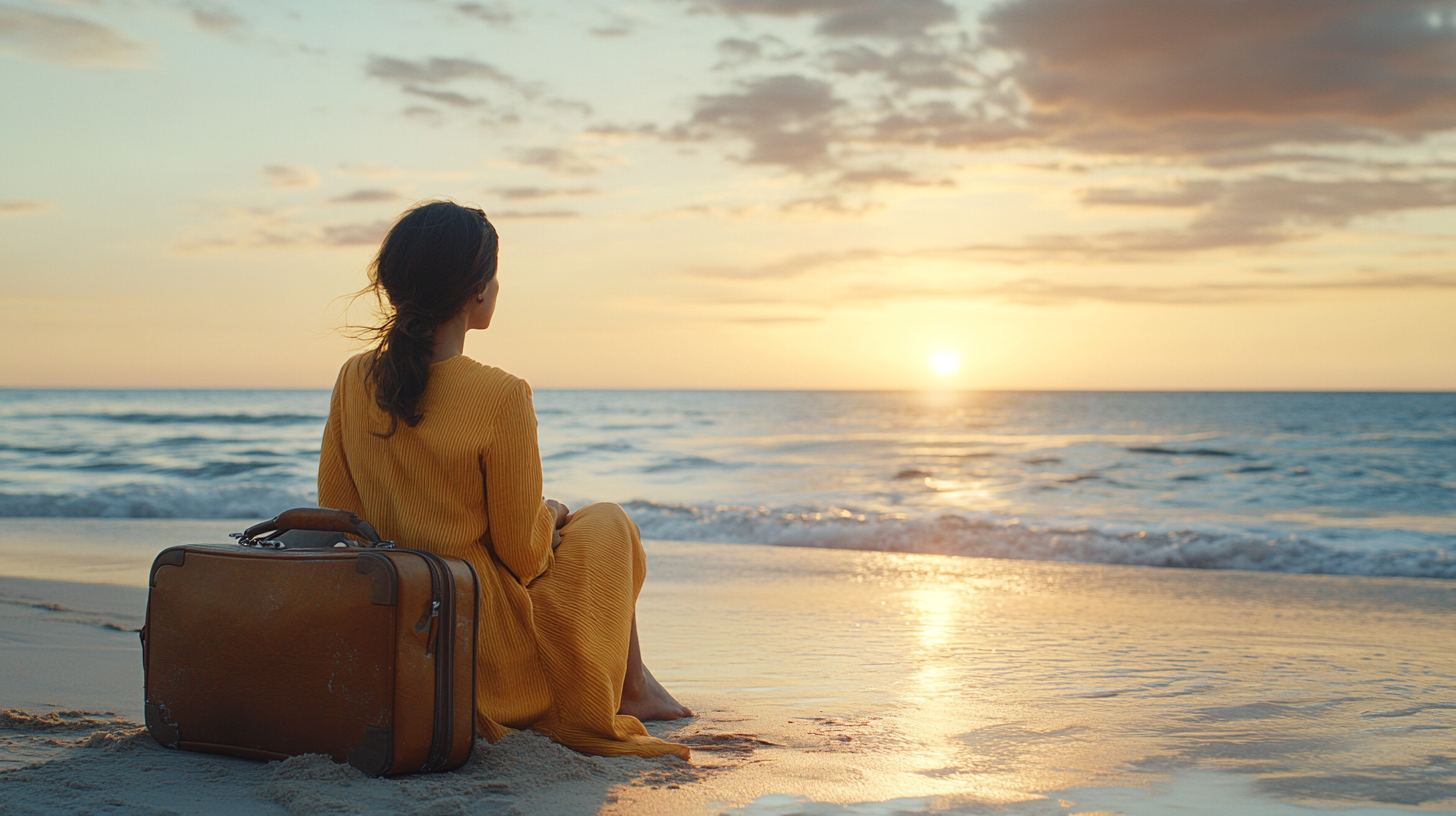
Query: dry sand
x=827, y=682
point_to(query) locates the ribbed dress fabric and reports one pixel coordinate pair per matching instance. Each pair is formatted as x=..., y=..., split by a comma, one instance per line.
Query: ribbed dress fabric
x=554, y=627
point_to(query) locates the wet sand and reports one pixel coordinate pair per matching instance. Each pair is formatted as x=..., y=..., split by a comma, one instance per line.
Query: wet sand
x=827, y=682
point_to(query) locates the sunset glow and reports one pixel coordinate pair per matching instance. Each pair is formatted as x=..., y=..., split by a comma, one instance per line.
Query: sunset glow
x=800, y=202
x=945, y=363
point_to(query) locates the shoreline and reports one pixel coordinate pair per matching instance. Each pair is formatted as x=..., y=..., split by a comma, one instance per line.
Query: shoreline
x=839, y=681
x=103, y=550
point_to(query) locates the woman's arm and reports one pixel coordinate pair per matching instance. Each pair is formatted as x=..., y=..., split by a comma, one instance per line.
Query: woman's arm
x=521, y=523
x=336, y=486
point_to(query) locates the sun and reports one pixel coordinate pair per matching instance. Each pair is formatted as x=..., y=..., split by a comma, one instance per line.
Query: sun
x=945, y=363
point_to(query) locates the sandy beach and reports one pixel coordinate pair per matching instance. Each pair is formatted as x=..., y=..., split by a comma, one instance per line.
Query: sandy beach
x=826, y=682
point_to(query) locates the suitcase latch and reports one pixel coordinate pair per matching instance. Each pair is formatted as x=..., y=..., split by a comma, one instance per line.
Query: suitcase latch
x=253, y=542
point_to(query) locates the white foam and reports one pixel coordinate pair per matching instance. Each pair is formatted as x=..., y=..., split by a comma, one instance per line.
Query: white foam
x=965, y=535
x=840, y=528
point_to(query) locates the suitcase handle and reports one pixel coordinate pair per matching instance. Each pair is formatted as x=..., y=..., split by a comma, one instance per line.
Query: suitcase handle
x=314, y=518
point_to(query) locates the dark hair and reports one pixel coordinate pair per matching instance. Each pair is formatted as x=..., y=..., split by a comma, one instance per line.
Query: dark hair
x=436, y=257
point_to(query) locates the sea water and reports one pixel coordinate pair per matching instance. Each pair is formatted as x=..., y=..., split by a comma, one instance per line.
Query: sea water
x=1351, y=483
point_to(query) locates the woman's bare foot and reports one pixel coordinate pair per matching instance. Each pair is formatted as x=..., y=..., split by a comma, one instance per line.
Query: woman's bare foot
x=645, y=698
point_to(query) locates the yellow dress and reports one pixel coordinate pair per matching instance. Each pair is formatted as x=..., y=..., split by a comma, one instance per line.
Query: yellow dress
x=551, y=649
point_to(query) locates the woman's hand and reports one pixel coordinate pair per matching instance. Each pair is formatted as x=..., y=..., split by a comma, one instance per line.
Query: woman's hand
x=563, y=515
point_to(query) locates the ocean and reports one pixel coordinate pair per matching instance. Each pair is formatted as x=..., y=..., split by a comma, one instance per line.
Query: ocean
x=1342, y=483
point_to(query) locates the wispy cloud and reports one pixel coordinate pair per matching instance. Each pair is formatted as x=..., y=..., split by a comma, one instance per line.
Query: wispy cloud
x=536, y=193
x=369, y=170
x=1259, y=211
x=1035, y=291
x=440, y=80
x=556, y=160
x=437, y=71
x=268, y=229
x=617, y=25
x=792, y=267
x=290, y=177
x=736, y=52
x=535, y=214
x=67, y=40
x=847, y=18
x=499, y=14
x=368, y=195
x=887, y=175
x=1039, y=292
x=13, y=208
x=218, y=19
x=1250, y=213
x=369, y=233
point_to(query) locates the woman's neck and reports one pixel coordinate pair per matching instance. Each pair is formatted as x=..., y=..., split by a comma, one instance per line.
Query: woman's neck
x=450, y=339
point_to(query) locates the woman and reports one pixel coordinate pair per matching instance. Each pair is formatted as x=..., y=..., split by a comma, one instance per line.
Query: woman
x=439, y=453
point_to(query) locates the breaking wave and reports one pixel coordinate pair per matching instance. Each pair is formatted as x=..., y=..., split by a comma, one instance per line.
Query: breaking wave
x=965, y=535
x=838, y=528
x=238, y=501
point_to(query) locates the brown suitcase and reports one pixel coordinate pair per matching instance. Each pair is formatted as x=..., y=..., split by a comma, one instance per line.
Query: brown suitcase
x=308, y=643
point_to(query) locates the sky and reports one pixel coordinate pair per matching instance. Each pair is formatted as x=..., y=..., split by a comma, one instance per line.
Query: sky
x=846, y=194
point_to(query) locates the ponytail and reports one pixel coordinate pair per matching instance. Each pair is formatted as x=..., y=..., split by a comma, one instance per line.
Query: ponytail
x=436, y=257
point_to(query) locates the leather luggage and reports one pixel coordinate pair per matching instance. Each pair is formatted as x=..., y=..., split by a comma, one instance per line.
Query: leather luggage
x=304, y=642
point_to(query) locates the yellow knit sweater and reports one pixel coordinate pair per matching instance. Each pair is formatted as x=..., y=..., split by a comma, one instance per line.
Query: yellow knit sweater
x=554, y=626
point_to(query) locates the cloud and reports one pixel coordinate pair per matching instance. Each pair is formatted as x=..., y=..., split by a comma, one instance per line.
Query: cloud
x=617, y=26
x=1259, y=211
x=1038, y=292
x=369, y=233
x=1212, y=75
x=555, y=160
x=912, y=66
x=59, y=38
x=496, y=14
x=887, y=175
x=791, y=267
x=773, y=321
x=428, y=77
x=1250, y=213
x=787, y=120
x=437, y=71
x=249, y=228
x=736, y=52
x=424, y=113
x=536, y=193
x=828, y=204
x=369, y=170
x=847, y=18
x=446, y=97
x=13, y=208
x=290, y=177
x=535, y=214
x=216, y=18
x=1221, y=82
x=1183, y=194
x=368, y=195
x=1042, y=292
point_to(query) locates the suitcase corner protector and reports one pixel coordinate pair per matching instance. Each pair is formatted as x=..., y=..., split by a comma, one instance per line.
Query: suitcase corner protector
x=375, y=754
x=163, y=732
x=170, y=557
x=386, y=579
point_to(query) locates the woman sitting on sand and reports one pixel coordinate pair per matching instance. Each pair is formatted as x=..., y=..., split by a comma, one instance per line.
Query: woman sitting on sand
x=439, y=453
